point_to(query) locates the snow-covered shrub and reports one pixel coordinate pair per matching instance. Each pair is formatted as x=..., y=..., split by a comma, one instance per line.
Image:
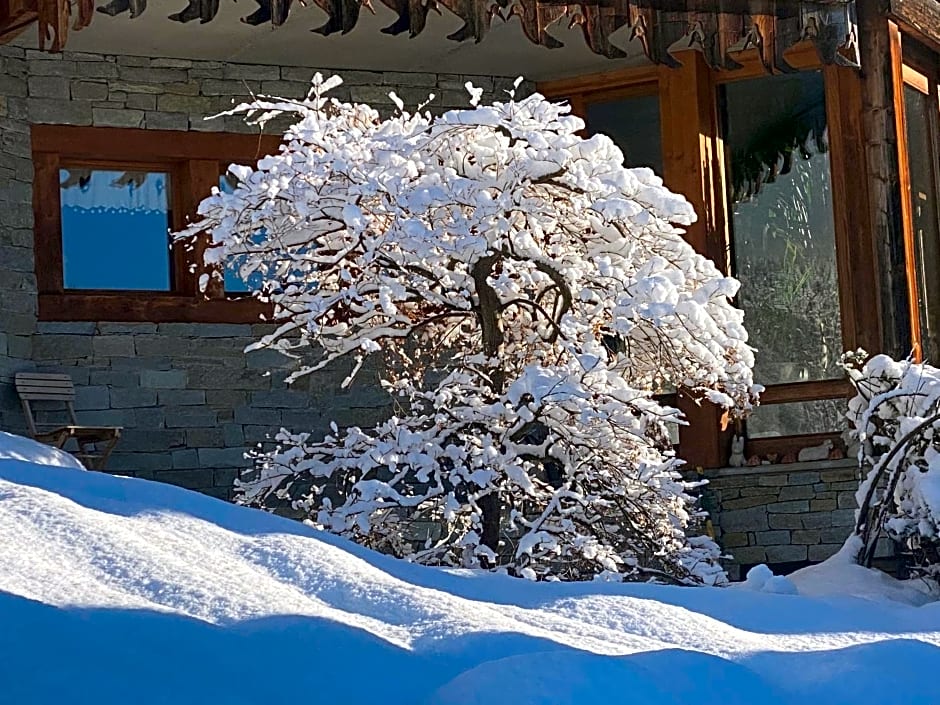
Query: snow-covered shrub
x=896, y=416
x=529, y=295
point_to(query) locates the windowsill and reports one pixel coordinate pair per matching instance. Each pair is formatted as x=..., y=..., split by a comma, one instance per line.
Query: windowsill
x=147, y=307
x=774, y=468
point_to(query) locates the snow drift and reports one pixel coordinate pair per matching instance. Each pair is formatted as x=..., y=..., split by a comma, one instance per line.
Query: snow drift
x=116, y=590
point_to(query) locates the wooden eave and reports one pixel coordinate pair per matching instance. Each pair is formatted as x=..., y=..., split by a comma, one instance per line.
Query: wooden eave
x=717, y=28
x=920, y=18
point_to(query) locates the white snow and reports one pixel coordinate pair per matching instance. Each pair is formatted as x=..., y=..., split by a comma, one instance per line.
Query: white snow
x=117, y=590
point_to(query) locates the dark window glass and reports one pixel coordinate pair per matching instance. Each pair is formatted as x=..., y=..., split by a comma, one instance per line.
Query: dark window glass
x=115, y=229
x=784, y=245
x=634, y=125
x=921, y=115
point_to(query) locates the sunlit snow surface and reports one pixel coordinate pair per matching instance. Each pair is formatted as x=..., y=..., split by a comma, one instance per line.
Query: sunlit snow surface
x=120, y=591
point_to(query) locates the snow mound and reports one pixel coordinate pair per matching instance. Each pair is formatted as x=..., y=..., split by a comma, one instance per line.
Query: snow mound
x=115, y=590
x=26, y=450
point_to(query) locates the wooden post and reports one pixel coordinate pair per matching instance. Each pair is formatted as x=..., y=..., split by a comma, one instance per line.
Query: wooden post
x=693, y=166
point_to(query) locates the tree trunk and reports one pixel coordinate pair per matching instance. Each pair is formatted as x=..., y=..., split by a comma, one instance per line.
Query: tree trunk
x=488, y=313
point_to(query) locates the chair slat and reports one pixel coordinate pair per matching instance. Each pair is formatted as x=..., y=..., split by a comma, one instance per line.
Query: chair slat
x=34, y=386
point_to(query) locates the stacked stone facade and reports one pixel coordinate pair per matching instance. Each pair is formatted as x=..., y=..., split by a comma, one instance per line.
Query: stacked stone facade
x=188, y=397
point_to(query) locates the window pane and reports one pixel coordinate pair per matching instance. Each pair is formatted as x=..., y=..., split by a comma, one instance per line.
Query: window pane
x=633, y=123
x=923, y=158
x=782, y=221
x=797, y=418
x=115, y=229
x=236, y=281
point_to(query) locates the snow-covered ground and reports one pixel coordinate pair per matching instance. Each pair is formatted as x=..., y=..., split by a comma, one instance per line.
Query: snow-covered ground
x=116, y=590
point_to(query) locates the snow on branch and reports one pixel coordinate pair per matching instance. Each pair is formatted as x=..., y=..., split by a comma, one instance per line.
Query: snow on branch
x=529, y=295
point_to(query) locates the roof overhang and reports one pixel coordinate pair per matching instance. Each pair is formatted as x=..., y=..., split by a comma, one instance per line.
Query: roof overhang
x=622, y=31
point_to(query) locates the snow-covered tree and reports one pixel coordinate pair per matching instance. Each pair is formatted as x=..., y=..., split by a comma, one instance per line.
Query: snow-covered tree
x=529, y=295
x=896, y=419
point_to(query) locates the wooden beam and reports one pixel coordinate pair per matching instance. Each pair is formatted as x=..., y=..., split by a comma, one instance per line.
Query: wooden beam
x=693, y=163
x=918, y=17
x=16, y=16
x=904, y=181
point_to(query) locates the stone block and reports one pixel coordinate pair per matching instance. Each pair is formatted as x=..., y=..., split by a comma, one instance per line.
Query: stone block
x=11, y=86
x=250, y=72
x=802, y=478
x=748, y=555
x=106, y=417
x=773, y=538
x=154, y=120
x=839, y=475
x=753, y=519
x=226, y=399
x=149, y=417
x=847, y=500
x=796, y=492
x=46, y=67
x=806, y=537
x=49, y=87
x=190, y=479
x=844, y=486
x=89, y=90
x=59, y=112
x=822, y=505
x=186, y=459
x=819, y=520
x=98, y=397
x=138, y=464
x=16, y=259
x=189, y=104
x=222, y=457
x=261, y=434
x=260, y=417
x=734, y=540
x=772, y=480
x=823, y=551
x=135, y=74
x=171, y=63
x=127, y=328
x=746, y=502
x=132, y=398
x=181, y=397
x=836, y=534
x=163, y=379
x=113, y=346
x=62, y=347
x=190, y=417
x=233, y=434
x=843, y=517
x=204, y=438
x=793, y=507
x=785, y=521
x=117, y=117
x=141, y=101
x=281, y=399
x=225, y=477
x=151, y=440
x=786, y=554
x=223, y=330
x=216, y=87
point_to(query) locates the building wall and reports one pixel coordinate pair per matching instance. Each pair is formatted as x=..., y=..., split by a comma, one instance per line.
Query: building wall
x=188, y=397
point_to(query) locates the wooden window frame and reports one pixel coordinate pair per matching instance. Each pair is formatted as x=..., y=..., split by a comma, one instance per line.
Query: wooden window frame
x=911, y=66
x=194, y=161
x=694, y=165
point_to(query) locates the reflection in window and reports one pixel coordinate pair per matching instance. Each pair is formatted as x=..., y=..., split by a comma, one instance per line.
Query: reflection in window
x=783, y=231
x=797, y=418
x=238, y=280
x=115, y=229
x=634, y=125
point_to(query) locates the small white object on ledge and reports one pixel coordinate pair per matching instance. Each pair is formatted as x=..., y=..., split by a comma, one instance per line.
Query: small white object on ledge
x=820, y=452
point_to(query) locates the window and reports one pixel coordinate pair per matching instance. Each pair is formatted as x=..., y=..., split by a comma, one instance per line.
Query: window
x=115, y=227
x=920, y=185
x=789, y=216
x=783, y=240
x=106, y=201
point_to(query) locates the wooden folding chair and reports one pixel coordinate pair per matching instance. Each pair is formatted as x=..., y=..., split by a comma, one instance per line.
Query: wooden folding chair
x=92, y=444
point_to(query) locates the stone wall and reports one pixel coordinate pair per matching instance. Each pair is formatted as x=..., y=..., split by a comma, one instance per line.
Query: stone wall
x=778, y=514
x=189, y=399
